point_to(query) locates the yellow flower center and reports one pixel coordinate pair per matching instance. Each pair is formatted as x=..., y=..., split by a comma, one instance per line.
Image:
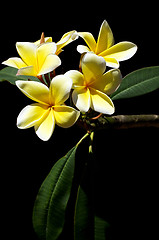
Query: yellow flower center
x=88, y=83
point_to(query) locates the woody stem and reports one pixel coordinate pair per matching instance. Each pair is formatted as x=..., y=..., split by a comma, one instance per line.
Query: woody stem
x=126, y=121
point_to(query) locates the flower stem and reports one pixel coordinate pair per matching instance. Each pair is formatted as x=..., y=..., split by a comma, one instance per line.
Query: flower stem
x=96, y=117
x=91, y=142
x=41, y=79
x=87, y=134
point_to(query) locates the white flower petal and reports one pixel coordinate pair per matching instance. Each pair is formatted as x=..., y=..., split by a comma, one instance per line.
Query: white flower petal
x=101, y=103
x=43, y=51
x=111, y=62
x=60, y=88
x=76, y=76
x=34, y=90
x=108, y=82
x=30, y=115
x=45, y=128
x=15, y=62
x=82, y=49
x=51, y=62
x=89, y=39
x=29, y=71
x=81, y=99
x=92, y=66
x=120, y=51
x=105, y=38
x=27, y=52
x=65, y=116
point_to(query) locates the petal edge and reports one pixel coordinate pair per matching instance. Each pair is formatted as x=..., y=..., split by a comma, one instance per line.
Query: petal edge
x=101, y=103
x=65, y=116
x=45, y=128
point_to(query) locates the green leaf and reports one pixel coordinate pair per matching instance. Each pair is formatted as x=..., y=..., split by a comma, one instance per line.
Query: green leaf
x=138, y=83
x=87, y=225
x=51, y=202
x=9, y=74
x=100, y=228
x=83, y=220
x=52, y=199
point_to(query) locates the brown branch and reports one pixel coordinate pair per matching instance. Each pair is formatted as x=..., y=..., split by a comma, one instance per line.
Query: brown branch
x=126, y=121
x=119, y=122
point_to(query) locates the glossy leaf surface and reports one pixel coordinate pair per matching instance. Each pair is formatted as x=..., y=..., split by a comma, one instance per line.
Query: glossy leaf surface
x=138, y=83
x=50, y=205
x=9, y=74
x=87, y=225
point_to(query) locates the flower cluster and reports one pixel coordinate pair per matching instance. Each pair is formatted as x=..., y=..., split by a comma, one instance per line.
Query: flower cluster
x=89, y=88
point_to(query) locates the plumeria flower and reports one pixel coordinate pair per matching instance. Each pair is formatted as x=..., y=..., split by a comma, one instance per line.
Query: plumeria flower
x=105, y=47
x=65, y=40
x=49, y=108
x=35, y=59
x=92, y=86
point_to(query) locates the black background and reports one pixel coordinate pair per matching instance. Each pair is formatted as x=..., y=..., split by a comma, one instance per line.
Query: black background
x=127, y=171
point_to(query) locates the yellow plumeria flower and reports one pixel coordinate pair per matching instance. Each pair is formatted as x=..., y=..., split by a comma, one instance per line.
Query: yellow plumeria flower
x=105, y=47
x=35, y=59
x=65, y=40
x=49, y=108
x=92, y=86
